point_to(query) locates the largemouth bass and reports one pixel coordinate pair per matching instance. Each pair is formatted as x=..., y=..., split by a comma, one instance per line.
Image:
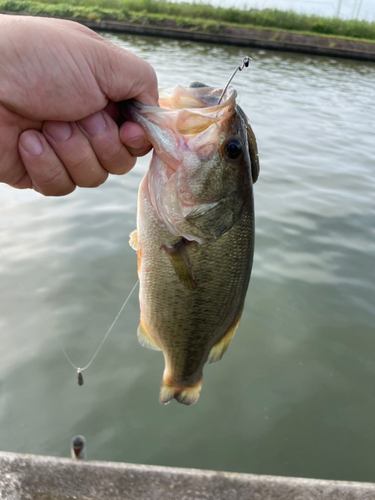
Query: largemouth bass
x=195, y=230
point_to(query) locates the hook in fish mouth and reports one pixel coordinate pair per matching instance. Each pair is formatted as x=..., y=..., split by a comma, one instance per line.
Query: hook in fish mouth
x=245, y=64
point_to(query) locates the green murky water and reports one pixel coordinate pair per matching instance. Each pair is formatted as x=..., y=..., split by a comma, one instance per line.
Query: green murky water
x=295, y=393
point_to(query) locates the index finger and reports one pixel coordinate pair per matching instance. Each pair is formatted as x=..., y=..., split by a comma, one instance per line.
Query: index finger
x=123, y=75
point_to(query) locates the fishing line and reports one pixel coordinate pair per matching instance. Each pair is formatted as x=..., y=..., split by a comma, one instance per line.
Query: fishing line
x=80, y=370
x=243, y=83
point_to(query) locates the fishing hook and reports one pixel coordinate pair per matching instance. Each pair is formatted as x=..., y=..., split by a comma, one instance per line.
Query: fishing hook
x=245, y=64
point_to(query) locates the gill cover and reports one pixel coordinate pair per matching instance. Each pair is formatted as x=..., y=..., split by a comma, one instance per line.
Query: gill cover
x=186, y=181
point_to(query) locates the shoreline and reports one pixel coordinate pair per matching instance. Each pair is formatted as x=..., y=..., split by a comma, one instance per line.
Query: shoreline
x=269, y=39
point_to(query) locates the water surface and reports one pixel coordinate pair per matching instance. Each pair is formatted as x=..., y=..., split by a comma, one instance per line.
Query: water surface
x=294, y=395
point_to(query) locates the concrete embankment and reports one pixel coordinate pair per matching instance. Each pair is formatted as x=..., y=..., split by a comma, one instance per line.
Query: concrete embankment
x=248, y=37
x=41, y=478
x=244, y=37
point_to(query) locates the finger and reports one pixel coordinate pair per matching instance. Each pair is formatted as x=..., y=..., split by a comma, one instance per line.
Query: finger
x=75, y=153
x=24, y=183
x=134, y=139
x=123, y=75
x=103, y=135
x=47, y=173
x=12, y=169
x=114, y=112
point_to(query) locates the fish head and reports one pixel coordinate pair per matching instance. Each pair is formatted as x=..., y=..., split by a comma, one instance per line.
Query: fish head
x=204, y=161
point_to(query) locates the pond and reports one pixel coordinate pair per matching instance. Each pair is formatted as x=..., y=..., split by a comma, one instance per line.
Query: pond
x=294, y=395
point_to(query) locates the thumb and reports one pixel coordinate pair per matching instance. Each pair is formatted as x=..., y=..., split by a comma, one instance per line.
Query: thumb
x=122, y=75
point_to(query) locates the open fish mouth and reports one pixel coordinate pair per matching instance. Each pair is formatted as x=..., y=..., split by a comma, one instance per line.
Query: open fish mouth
x=188, y=120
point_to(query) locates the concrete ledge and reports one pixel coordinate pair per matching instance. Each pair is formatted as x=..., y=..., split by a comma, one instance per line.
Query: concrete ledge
x=29, y=477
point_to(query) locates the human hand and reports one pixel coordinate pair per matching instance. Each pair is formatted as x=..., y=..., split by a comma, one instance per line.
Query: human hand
x=59, y=124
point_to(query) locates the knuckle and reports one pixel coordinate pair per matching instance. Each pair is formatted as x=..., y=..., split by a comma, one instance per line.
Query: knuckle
x=111, y=153
x=153, y=79
x=48, y=177
x=52, y=182
x=86, y=171
x=140, y=152
x=118, y=161
x=99, y=180
x=12, y=168
x=84, y=161
x=123, y=167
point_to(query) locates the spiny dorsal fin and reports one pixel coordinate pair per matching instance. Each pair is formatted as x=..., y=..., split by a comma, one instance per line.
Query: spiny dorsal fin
x=252, y=145
x=220, y=347
x=254, y=156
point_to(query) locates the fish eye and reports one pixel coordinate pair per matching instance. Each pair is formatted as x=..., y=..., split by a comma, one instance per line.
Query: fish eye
x=233, y=149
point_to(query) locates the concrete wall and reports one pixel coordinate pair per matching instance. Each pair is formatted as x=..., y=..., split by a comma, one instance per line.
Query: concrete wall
x=30, y=477
x=249, y=37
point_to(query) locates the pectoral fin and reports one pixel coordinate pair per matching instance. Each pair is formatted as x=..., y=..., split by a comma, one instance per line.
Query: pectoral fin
x=144, y=338
x=179, y=258
x=220, y=347
x=133, y=239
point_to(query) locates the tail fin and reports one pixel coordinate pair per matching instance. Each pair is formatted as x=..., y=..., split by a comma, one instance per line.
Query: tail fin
x=184, y=395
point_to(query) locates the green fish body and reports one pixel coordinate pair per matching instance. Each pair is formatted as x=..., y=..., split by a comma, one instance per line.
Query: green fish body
x=195, y=231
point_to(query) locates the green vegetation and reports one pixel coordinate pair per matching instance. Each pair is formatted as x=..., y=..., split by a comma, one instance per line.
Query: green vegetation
x=195, y=16
x=97, y=13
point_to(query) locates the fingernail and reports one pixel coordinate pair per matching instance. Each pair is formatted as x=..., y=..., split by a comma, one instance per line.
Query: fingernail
x=94, y=124
x=136, y=142
x=59, y=131
x=31, y=143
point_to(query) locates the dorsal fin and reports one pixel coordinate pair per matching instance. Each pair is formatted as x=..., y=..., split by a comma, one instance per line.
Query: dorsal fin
x=252, y=145
x=254, y=156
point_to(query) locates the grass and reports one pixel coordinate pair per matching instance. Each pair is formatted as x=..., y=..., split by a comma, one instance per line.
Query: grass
x=195, y=15
x=97, y=13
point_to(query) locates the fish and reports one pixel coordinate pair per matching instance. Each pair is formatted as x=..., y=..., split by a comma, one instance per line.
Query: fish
x=195, y=230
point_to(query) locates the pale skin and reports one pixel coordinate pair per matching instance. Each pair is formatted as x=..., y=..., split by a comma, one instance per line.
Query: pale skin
x=60, y=126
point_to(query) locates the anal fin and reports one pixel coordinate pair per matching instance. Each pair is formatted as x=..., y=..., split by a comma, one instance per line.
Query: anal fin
x=186, y=395
x=220, y=347
x=180, y=261
x=144, y=338
x=133, y=239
